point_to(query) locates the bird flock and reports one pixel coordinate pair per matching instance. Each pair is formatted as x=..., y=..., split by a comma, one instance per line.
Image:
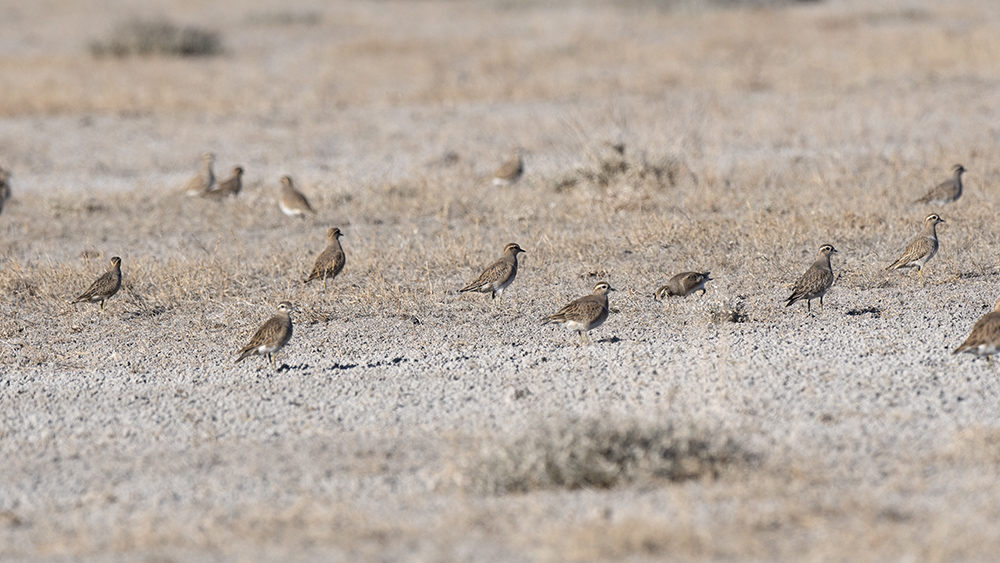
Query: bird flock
x=580, y=315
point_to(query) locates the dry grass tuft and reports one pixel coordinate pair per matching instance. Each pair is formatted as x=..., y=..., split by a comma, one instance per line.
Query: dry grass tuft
x=614, y=165
x=157, y=37
x=730, y=310
x=603, y=453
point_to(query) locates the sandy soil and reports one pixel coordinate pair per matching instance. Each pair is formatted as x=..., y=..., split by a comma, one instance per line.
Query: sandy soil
x=410, y=422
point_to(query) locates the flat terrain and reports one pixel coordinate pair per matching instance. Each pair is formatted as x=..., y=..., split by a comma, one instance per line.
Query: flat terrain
x=410, y=422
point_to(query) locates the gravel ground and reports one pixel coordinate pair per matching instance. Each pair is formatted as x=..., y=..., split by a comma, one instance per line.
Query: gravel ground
x=858, y=436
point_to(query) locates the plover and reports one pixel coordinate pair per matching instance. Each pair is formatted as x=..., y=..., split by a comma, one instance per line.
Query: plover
x=271, y=336
x=509, y=172
x=816, y=281
x=229, y=186
x=684, y=284
x=330, y=262
x=946, y=192
x=495, y=279
x=4, y=187
x=105, y=286
x=292, y=202
x=205, y=178
x=921, y=249
x=584, y=314
x=984, y=340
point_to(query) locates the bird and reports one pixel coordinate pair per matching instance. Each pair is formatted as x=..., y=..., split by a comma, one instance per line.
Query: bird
x=4, y=186
x=984, y=340
x=509, y=172
x=921, y=249
x=584, y=314
x=684, y=284
x=946, y=192
x=816, y=281
x=330, y=262
x=205, y=178
x=500, y=274
x=229, y=186
x=271, y=336
x=292, y=202
x=105, y=286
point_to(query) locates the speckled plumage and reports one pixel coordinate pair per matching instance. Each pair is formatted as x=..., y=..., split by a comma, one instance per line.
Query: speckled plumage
x=331, y=261
x=984, y=340
x=921, y=249
x=948, y=191
x=495, y=279
x=684, y=284
x=106, y=286
x=291, y=201
x=584, y=314
x=816, y=281
x=271, y=336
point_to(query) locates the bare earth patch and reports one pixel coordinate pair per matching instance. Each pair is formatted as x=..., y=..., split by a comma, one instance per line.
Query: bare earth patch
x=410, y=422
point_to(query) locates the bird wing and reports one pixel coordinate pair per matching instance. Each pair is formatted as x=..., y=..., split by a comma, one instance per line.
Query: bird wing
x=816, y=279
x=917, y=249
x=107, y=283
x=496, y=271
x=985, y=331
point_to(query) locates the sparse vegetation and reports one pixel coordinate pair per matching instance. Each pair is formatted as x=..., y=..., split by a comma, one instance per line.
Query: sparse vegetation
x=138, y=37
x=741, y=140
x=602, y=453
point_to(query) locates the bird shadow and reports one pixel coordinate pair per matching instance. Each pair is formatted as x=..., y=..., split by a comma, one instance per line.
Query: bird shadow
x=873, y=311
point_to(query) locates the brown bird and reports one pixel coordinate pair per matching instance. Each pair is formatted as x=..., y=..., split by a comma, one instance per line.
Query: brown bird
x=495, y=279
x=203, y=181
x=292, y=202
x=509, y=172
x=271, y=336
x=921, y=249
x=946, y=192
x=331, y=261
x=105, y=286
x=584, y=314
x=684, y=284
x=816, y=281
x=229, y=186
x=984, y=340
x=4, y=187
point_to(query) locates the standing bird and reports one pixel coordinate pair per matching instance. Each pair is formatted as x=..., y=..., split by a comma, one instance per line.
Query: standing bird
x=946, y=192
x=585, y=313
x=292, y=202
x=495, y=279
x=205, y=178
x=816, y=281
x=509, y=172
x=330, y=262
x=271, y=336
x=229, y=186
x=105, y=286
x=921, y=249
x=4, y=187
x=684, y=284
x=984, y=340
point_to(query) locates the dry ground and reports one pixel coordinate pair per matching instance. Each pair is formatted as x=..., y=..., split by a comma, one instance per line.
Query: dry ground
x=409, y=422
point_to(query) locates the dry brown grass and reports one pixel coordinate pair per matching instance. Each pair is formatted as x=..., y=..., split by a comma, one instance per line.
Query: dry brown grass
x=602, y=453
x=750, y=138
